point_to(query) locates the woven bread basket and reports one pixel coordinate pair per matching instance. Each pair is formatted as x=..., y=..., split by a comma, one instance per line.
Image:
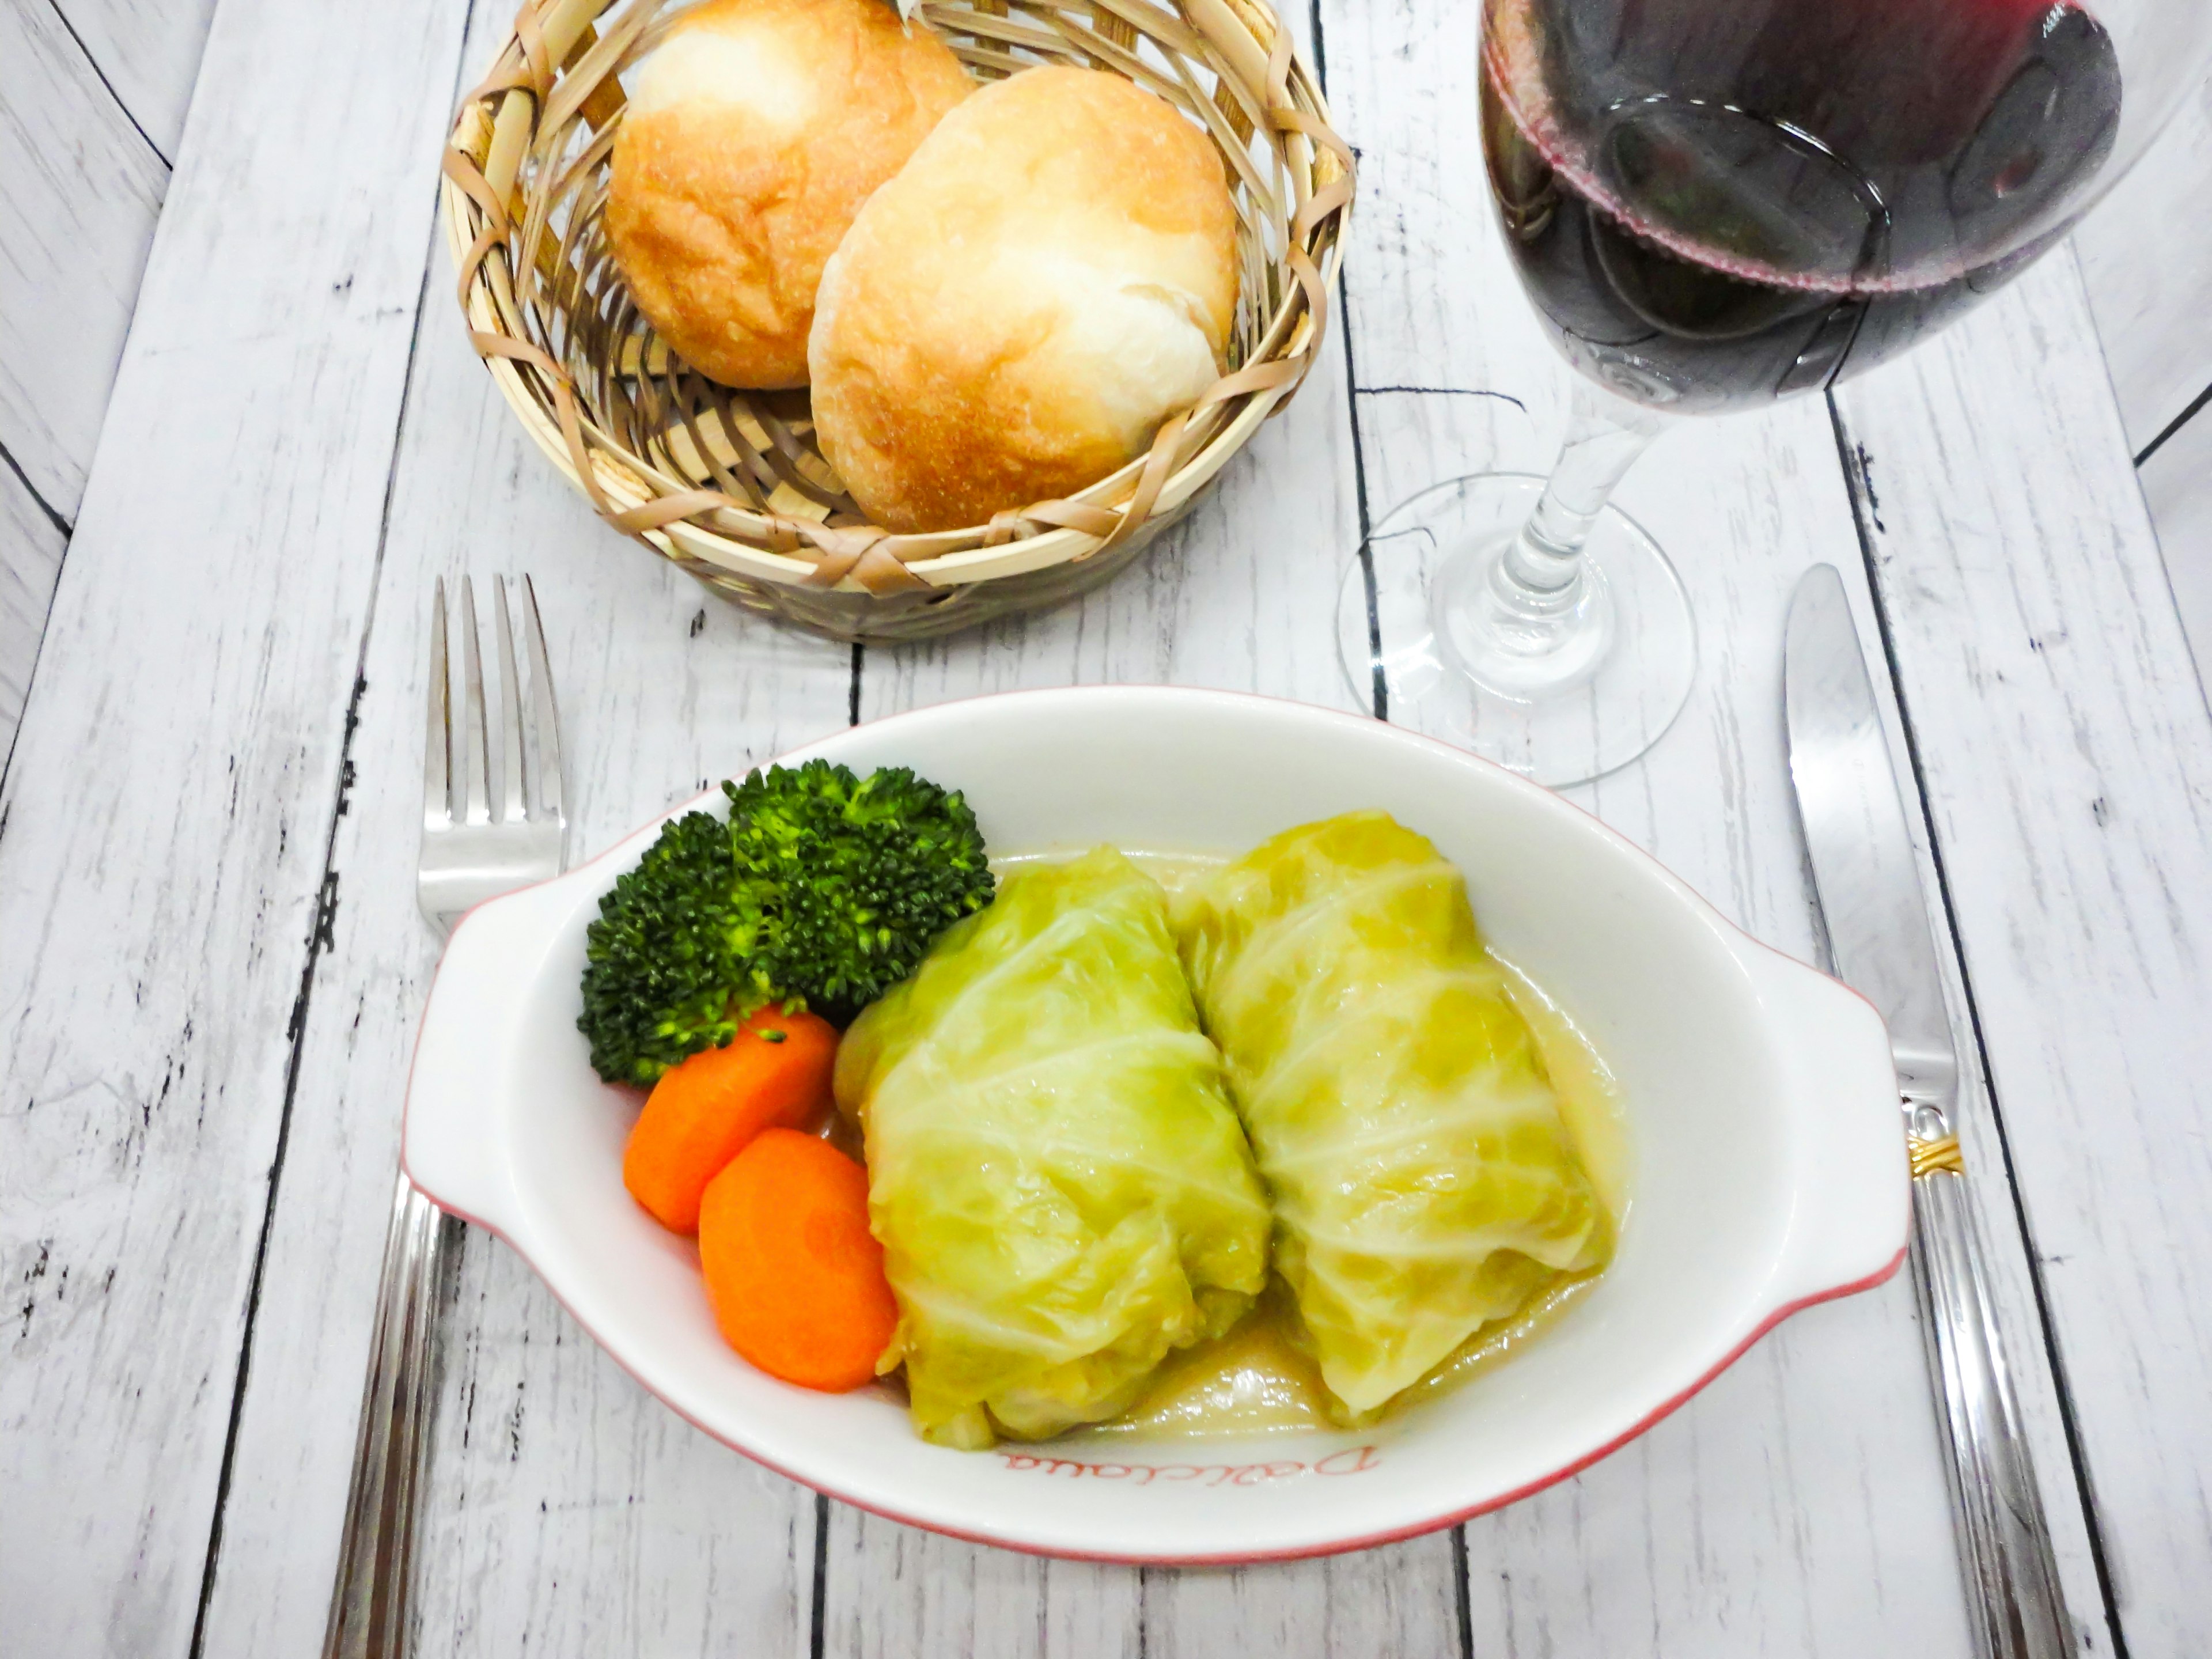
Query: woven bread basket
x=729, y=484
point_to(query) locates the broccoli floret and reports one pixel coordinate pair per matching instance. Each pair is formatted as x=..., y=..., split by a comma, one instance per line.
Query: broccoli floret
x=822, y=891
x=843, y=883
x=659, y=966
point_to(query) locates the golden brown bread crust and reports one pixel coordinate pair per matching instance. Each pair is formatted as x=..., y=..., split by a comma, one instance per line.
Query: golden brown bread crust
x=1010, y=318
x=758, y=129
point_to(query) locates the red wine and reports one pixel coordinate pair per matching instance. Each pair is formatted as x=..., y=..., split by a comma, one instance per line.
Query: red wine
x=1718, y=202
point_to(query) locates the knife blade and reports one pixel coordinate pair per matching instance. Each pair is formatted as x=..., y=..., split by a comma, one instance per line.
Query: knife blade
x=1855, y=830
x=1868, y=884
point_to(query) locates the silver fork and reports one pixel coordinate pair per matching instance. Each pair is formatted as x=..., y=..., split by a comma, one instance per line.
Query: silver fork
x=472, y=850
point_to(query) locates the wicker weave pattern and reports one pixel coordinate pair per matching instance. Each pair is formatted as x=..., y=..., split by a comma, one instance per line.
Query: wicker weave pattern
x=730, y=484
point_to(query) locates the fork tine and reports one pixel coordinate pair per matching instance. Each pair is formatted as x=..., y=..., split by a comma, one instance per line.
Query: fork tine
x=477, y=766
x=437, y=737
x=515, y=787
x=546, y=725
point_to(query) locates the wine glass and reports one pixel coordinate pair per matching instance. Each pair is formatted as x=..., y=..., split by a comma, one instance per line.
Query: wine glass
x=1713, y=203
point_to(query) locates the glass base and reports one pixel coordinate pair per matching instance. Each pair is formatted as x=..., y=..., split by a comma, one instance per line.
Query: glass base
x=1563, y=719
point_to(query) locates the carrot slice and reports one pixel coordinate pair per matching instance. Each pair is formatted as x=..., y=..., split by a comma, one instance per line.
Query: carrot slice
x=701, y=1113
x=795, y=1278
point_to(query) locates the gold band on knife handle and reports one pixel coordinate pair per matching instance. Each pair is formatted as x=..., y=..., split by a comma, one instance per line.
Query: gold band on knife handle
x=1930, y=1156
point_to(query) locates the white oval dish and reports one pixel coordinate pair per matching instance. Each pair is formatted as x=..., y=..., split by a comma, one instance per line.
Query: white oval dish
x=1769, y=1167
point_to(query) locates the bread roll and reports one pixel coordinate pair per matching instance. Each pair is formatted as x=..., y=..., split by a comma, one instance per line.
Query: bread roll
x=1011, y=317
x=753, y=134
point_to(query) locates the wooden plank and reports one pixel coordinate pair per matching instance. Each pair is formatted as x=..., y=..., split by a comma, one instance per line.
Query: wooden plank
x=1241, y=597
x=567, y=1509
x=896, y=1592
x=168, y=807
x=2177, y=483
x=2067, y=754
x=1403, y=1599
x=79, y=190
x=149, y=53
x=2146, y=254
x=32, y=543
x=1798, y=1505
x=1757, y=1518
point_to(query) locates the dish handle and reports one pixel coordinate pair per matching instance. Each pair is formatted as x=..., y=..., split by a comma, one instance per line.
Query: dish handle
x=1852, y=1207
x=454, y=1144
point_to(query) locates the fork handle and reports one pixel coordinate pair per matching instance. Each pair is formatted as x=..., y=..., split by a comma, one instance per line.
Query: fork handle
x=369, y=1612
x=2004, y=1543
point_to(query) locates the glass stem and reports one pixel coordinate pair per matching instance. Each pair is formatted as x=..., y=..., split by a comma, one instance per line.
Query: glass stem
x=1536, y=596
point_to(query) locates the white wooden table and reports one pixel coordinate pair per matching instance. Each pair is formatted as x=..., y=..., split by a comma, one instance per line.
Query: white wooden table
x=210, y=962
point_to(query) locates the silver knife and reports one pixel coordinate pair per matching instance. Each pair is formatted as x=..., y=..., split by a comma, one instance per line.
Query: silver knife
x=1880, y=945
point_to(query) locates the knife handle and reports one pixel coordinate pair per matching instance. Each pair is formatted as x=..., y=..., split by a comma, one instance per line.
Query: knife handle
x=2005, y=1544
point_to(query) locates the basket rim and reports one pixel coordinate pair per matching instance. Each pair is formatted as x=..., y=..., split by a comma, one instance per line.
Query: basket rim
x=1030, y=546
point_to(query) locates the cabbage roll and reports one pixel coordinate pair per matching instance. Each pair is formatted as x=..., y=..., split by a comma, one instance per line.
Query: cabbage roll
x=1424, y=1180
x=1058, y=1182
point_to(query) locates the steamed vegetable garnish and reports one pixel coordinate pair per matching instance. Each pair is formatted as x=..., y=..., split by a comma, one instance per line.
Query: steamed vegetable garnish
x=1060, y=1186
x=843, y=883
x=774, y=1074
x=662, y=975
x=794, y=1277
x=1425, y=1182
x=820, y=891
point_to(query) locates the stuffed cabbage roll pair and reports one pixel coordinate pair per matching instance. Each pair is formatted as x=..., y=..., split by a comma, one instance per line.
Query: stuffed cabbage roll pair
x=1065, y=1193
